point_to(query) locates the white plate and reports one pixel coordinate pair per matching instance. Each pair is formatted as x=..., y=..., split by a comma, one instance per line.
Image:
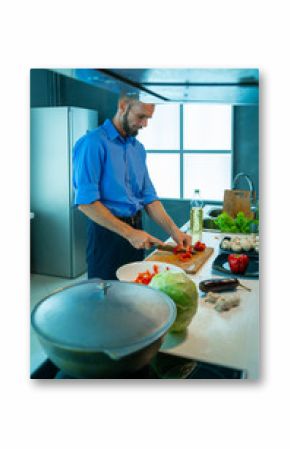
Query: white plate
x=130, y=271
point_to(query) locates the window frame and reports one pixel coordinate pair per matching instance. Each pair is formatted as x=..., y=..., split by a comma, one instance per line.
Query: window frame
x=182, y=151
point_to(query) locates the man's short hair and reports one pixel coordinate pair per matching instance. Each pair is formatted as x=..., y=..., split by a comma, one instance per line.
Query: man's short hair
x=129, y=97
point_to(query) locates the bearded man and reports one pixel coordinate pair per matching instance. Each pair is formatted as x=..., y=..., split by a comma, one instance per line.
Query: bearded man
x=112, y=186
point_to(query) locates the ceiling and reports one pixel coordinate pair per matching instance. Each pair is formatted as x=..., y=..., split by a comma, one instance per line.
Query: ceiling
x=234, y=86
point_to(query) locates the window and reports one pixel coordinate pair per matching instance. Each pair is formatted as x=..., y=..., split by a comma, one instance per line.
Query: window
x=162, y=132
x=164, y=172
x=207, y=127
x=189, y=146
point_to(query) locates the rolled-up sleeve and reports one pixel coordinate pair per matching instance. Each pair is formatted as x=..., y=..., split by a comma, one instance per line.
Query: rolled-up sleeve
x=87, y=167
x=149, y=192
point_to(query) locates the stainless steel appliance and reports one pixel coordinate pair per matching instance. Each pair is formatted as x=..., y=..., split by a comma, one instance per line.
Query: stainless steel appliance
x=58, y=230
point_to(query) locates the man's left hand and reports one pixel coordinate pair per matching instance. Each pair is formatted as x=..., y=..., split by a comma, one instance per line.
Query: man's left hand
x=182, y=239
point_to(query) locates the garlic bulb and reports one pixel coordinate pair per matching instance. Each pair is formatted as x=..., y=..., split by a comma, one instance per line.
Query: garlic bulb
x=226, y=303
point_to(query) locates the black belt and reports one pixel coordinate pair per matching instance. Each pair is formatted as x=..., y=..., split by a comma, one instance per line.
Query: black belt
x=134, y=220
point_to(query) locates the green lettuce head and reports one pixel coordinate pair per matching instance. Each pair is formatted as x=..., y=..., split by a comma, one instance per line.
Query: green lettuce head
x=182, y=290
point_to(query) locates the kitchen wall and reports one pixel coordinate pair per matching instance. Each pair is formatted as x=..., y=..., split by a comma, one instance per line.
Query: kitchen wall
x=48, y=88
x=246, y=144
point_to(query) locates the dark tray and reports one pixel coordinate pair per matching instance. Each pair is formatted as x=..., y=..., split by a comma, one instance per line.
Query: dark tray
x=221, y=264
x=251, y=253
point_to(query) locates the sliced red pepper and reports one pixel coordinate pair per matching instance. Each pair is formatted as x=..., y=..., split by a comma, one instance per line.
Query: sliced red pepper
x=180, y=249
x=238, y=263
x=155, y=269
x=199, y=246
x=177, y=249
x=185, y=256
x=146, y=277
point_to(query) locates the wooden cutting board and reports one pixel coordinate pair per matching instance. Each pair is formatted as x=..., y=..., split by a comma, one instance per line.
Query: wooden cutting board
x=190, y=266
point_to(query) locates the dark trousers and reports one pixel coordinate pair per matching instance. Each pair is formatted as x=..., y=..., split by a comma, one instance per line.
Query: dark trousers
x=107, y=251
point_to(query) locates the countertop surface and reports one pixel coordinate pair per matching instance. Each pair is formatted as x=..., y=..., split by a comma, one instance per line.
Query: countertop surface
x=228, y=338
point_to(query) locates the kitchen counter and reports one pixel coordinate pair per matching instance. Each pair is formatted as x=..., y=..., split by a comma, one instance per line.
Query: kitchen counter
x=229, y=338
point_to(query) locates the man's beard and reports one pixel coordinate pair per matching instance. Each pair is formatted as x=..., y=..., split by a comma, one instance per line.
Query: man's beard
x=126, y=127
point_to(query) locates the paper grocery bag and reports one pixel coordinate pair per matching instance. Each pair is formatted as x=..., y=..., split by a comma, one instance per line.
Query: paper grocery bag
x=237, y=201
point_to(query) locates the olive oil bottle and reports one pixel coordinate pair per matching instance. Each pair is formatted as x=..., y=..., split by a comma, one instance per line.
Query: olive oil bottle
x=196, y=217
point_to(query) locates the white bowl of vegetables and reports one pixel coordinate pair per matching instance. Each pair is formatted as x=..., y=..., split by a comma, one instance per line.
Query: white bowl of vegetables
x=143, y=272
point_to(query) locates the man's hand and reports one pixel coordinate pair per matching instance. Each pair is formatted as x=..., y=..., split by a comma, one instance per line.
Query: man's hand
x=141, y=239
x=182, y=239
x=156, y=211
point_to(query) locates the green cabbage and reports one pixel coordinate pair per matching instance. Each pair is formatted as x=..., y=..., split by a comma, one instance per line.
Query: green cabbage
x=182, y=290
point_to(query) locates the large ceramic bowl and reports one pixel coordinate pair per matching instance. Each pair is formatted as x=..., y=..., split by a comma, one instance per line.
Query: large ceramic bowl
x=130, y=271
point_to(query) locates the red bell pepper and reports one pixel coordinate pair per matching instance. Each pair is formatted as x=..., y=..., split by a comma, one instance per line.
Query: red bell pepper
x=182, y=254
x=238, y=263
x=185, y=256
x=179, y=249
x=146, y=277
x=199, y=246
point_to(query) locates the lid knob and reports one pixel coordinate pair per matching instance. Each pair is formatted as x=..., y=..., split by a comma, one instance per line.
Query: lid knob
x=104, y=286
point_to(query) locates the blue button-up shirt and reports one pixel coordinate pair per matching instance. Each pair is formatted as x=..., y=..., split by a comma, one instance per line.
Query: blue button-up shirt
x=112, y=169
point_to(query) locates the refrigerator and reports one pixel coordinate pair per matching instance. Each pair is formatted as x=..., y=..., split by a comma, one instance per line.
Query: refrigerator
x=58, y=229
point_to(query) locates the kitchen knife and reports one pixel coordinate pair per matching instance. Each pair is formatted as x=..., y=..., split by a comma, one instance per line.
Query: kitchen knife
x=170, y=248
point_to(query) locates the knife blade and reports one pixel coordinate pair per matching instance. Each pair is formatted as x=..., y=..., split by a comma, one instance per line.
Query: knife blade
x=171, y=248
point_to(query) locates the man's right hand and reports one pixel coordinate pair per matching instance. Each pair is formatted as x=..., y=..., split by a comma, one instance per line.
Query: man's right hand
x=141, y=239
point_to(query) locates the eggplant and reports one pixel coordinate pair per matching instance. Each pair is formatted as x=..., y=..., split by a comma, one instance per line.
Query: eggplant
x=220, y=285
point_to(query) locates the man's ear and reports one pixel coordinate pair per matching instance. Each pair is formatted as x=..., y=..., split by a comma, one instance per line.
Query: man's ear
x=123, y=105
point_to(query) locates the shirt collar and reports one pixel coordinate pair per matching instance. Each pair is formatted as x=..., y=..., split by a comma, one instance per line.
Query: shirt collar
x=113, y=133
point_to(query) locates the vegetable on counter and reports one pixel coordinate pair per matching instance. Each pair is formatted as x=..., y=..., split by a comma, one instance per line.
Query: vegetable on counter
x=238, y=244
x=182, y=290
x=220, y=285
x=238, y=263
x=240, y=224
x=222, y=303
x=199, y=246
x=183, y=257
x=179, y=250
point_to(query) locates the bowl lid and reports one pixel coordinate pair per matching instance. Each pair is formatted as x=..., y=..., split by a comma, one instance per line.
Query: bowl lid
x=114, y=317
